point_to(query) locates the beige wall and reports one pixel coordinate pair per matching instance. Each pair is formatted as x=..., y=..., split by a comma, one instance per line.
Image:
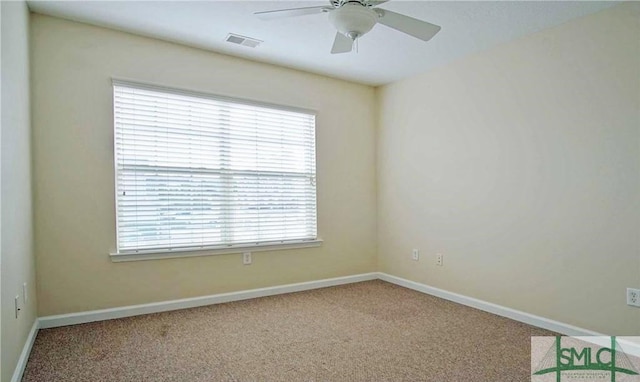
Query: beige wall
x=72, y=66
x=521, y=164
x=17, y=259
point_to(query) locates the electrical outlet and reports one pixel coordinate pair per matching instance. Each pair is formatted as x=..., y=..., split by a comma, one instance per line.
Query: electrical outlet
x=25, y=295
x=633, y=297
x=246, y=258
x=415, y=255
x=439, y=259
x=17, y=306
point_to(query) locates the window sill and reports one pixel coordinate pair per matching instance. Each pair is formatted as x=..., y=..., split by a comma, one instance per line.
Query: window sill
x=173, y=254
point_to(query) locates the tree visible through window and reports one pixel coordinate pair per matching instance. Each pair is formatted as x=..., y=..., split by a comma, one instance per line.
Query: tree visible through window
x=196, y=171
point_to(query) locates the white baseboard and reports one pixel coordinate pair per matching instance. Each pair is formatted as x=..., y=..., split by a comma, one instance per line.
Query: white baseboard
x=26, y=350
x=630, y=347
x=527, y=318
x=135, y=310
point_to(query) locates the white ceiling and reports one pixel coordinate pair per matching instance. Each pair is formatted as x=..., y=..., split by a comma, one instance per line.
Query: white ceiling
x=384, y=55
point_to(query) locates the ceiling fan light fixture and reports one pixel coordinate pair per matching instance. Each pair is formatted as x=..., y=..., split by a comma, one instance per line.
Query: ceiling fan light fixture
x=353, y=20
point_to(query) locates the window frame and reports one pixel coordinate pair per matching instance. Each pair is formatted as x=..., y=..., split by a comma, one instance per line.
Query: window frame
x=160, y=253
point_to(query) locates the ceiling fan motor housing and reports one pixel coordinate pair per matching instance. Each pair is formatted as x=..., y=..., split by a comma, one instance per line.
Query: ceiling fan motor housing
x=353, y=20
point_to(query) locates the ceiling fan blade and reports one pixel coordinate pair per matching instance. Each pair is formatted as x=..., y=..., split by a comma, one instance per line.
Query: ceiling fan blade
x=342, y=44
x=413, y=27
x=280, y=13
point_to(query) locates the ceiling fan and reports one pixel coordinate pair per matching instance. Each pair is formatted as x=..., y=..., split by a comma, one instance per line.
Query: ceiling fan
x=354, y=18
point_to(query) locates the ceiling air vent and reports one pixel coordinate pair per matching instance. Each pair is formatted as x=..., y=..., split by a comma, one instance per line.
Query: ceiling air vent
x=242, y=40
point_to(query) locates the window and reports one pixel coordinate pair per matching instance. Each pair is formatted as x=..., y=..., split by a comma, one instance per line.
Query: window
x=197, y=172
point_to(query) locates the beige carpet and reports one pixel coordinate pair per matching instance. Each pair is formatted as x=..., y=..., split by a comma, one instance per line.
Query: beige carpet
x=370, y=331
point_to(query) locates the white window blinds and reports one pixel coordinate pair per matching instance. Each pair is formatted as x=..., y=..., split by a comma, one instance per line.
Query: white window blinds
x=196, y=171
